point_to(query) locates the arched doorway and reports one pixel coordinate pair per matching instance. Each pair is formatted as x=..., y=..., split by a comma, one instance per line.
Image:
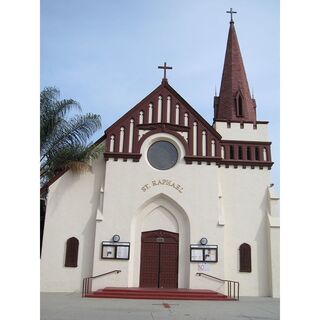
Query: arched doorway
x=160, y=212
x=159, y=259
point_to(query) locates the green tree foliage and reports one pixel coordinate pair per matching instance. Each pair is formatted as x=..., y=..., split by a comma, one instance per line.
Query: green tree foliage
x=64, y=140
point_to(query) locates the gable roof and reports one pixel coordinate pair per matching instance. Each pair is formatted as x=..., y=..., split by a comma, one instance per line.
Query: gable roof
x=152, y=98
x=163, y=110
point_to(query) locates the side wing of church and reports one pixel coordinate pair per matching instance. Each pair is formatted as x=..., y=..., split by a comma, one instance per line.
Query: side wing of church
x=171, y=197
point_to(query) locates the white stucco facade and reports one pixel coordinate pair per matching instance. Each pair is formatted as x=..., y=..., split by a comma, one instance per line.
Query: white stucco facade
x=228, y=206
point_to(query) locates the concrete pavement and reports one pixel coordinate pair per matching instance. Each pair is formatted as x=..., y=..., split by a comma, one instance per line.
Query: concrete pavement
x=70, y=306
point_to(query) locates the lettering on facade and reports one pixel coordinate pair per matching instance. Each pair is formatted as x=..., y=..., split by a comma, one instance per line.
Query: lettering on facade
x=163, y=182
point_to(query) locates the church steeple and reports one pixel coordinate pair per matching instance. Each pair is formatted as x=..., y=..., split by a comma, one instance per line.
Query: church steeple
x=234, y=102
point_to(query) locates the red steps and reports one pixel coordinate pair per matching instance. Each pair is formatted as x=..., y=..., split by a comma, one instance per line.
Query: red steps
x=158, y=294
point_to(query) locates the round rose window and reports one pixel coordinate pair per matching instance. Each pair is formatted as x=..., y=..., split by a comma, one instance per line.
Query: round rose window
x=162, y=155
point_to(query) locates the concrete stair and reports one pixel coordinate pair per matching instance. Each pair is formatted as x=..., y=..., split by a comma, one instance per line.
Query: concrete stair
x=158, y=294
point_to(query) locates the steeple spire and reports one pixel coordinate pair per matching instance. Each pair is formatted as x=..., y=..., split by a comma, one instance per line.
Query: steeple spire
x=234, y=102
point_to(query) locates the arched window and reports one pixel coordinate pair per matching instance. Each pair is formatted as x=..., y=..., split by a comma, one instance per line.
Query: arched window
x=245, y=258
x=239, y=105
x=72, y=252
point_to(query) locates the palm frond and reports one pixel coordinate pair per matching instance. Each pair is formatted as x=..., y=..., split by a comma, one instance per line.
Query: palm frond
x=52, y=112
x=63, y=141
x=76, y=131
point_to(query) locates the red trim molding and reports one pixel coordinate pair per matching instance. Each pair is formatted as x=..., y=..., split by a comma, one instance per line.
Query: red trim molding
x=208, y=160
x=242, y=121
x=245, y=163
x=247, y=142
x=116, y=155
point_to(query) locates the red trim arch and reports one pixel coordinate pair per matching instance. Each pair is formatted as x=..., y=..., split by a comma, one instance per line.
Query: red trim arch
x=162, y=129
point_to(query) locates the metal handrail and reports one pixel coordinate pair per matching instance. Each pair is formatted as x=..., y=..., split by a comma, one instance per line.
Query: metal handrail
x=233, y=286
x=87, y=282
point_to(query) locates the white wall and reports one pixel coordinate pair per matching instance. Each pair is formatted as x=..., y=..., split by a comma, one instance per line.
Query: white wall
x=274, y=238
x=247, y=133
x=275, y=261
x=245, y=205
x=71, y=209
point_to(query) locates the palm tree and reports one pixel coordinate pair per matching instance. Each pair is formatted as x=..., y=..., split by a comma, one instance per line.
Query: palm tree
x=64, y=140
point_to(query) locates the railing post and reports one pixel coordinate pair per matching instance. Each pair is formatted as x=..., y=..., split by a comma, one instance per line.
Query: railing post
x=83, y=281
x=87, y=286
x=234, y=290
x=238, y=290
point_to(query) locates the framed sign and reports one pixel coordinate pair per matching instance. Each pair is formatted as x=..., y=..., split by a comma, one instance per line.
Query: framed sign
x=196, y=255
x=115, y=250
x=122, y=252
x=203, y=253
x=108, y=252
x=210, y=255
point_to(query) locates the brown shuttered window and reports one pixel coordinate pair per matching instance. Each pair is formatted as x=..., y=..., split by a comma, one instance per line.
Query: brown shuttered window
x=245, y=258
x=257, y=153
x=72, y=252
x=248, y=153
x=231, y=152
x=240, y=153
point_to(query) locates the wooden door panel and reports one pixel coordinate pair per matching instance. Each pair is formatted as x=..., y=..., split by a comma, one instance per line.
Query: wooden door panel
x=168, y=277
x=149, y=270
x=159, y=259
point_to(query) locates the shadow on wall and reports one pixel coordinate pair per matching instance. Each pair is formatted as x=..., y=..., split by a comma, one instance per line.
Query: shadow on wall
x=262, y=249
x=88, y=231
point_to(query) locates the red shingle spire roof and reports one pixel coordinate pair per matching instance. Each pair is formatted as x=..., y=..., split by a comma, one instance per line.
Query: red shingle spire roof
x=234, y=102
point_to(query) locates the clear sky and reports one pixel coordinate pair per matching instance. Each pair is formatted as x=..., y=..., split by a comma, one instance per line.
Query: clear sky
x=105, y=53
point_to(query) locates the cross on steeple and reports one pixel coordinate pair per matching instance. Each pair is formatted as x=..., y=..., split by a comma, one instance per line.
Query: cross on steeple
x=231, y=12
x=164, y=67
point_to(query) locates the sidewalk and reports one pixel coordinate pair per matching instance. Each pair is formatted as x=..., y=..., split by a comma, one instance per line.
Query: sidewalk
x=70, y=306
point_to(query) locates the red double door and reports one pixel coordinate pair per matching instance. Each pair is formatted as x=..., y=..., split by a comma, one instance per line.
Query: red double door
x=159, y=259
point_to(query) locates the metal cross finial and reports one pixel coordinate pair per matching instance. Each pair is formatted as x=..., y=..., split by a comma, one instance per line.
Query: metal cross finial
x=164, y=67
x=231, y=12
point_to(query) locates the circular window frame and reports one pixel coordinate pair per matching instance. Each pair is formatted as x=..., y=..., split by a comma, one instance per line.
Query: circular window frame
x=166, y=141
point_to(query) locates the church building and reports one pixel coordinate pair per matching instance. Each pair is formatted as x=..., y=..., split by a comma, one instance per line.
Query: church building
x=173, y=201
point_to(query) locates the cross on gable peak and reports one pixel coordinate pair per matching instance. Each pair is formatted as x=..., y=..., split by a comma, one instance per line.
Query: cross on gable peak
x=164, y=67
